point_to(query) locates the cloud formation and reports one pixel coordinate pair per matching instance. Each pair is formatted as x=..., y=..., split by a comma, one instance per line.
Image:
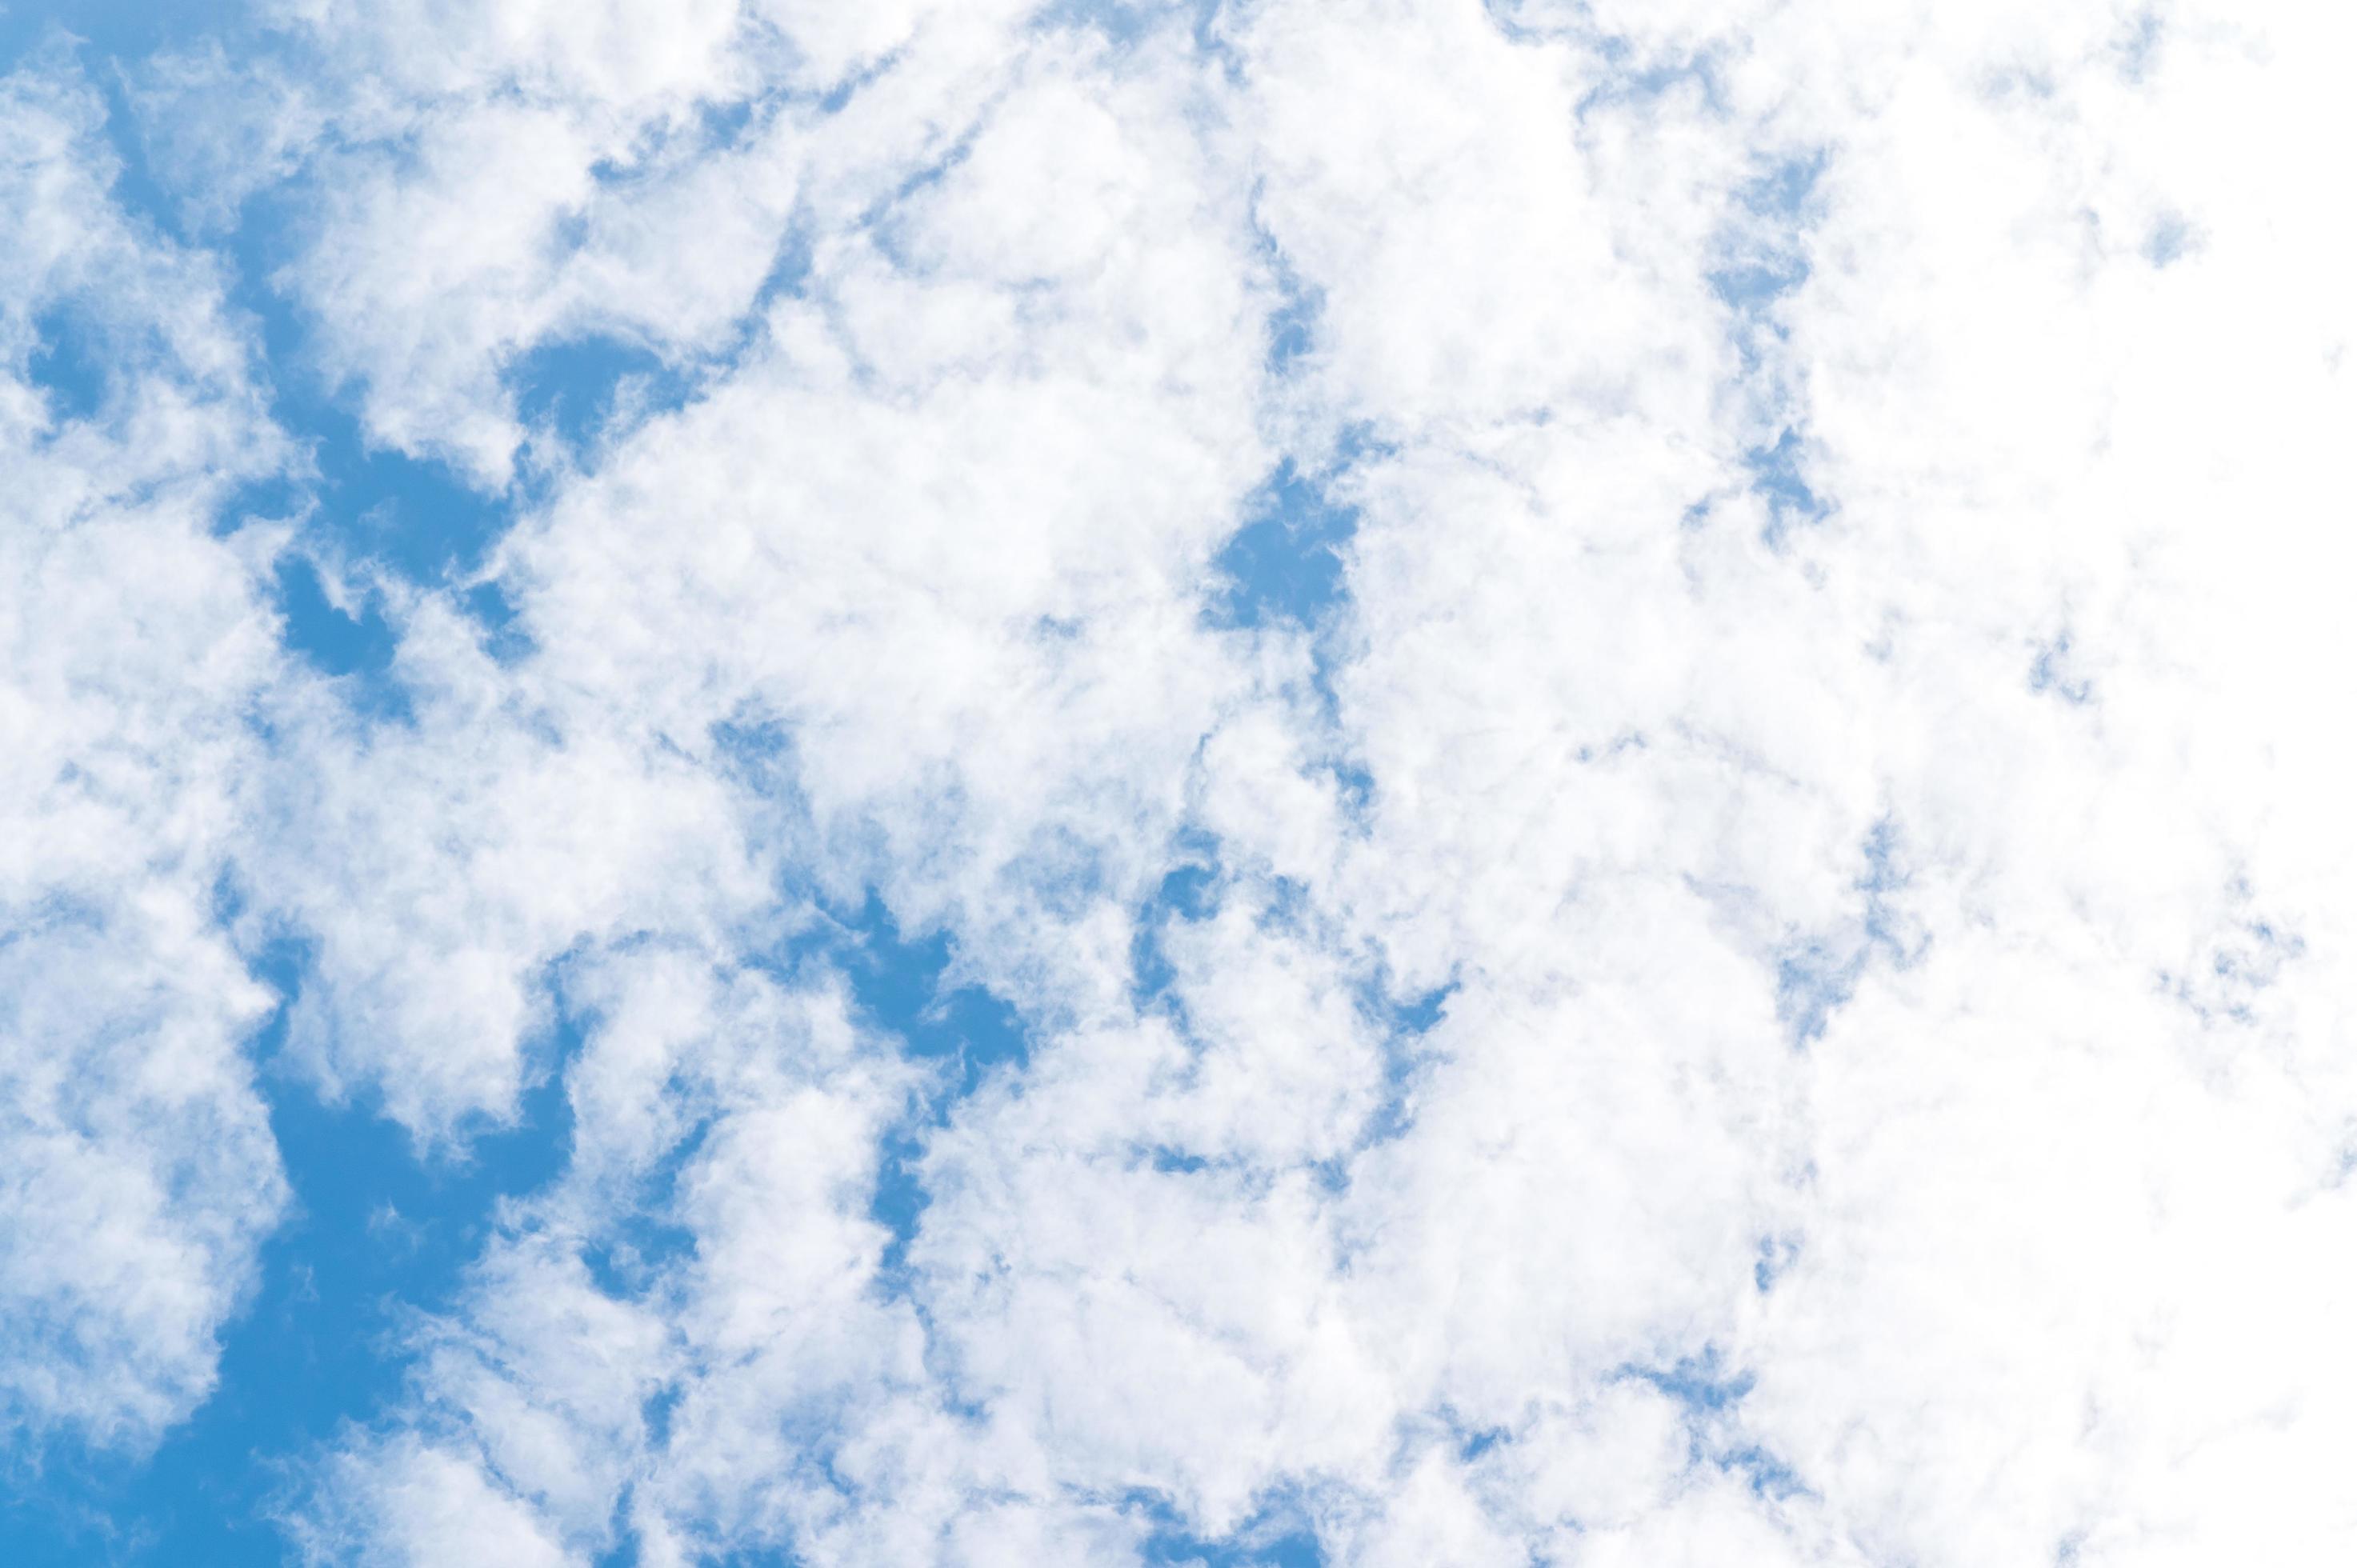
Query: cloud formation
x=1349, y=782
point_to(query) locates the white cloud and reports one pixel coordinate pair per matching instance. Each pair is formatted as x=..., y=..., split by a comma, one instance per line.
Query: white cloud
x=140, y=1173
x=1703, y=809
x=1762, y=987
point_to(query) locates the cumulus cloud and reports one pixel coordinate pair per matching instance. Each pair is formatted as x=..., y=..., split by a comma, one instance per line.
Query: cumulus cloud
x=1738, y=964
x=140, y=1173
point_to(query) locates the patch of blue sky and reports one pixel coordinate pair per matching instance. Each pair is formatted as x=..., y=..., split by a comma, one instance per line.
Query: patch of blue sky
x=902, y=983
x=1763, y=258
x=1890, y=931
x=1293, y=325
x=1124, y=22
x=1816, y=975
x=1402, y=1027
x=1761, y=252
x=68, y=364
x=1702, y=1383
x=881, y=221
x=636, y=1244
x=1539, y=21
x=903, y=986
x=416, y=516
x=356, y=649
x=1777, y=478
x=1472, y=1444
x=590, y=386
x=576, y=388
x=1275, y=1536
x=1632, y=82
x=114, y=29
x=1192, y=891
x=625, y=1554
x=1285, y=565
x=376, y=1235
x=1767, y=1473
x=1776, y=1254
x=1814, y=979
x=1189, y=892
x=358, y=502
x=1709, y=1392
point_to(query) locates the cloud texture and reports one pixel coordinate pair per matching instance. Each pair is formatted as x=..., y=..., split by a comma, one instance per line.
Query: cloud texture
x=1374, y=781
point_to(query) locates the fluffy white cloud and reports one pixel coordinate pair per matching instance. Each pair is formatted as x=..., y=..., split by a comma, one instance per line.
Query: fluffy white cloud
x=1749, y=1196
x=139, y=1172
x=1760, y=986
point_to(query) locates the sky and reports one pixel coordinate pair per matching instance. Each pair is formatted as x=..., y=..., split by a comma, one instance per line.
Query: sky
x=1243, y=782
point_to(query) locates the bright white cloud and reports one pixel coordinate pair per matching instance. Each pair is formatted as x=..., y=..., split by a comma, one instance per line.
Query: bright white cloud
x=140, y=1176
x=1759, y=986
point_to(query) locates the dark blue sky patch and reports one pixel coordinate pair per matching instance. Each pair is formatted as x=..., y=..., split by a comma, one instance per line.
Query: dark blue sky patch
x=1284, y=566
x=417, y=517
x=1170, y=1161
x=115, y=29
x=1292, y=330
x=1277, y=1536
x=644, y=1239
x=1418, y=1014
x=1777, y=478
x=900, y=985
x=356, y=650
x=1472, y=1445
x=1190, y=892
x=1403, y=1026
x=1702, y=1383
x=574, y=387
x=503, y=635
x=1293, y=326
x=1709, y=1392
x=1768, y=1475
x=1354, y=791
x=68, y=364
x=788, y=278
x=276, y=499
x=899, y=1203
x=414, y=516
x=411, y=514
x=335, y=642
x=375, y=1236
x=1763, y=258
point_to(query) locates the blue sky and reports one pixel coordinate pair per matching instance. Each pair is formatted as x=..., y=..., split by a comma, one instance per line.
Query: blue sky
x=380, y=1230
x=1279, y=784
